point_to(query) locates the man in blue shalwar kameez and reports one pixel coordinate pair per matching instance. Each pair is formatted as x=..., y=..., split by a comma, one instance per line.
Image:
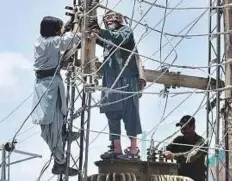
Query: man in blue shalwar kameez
x=114, y=61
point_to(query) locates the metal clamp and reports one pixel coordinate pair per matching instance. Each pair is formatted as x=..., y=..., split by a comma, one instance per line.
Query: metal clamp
x=165, y=69
x=177, y=85
x=78, y=10
x=89, y=88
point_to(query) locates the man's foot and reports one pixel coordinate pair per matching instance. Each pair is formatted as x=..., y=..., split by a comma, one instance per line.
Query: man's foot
x=61, y=169
x=74, y=136
x=110, y=154
x=129, y=155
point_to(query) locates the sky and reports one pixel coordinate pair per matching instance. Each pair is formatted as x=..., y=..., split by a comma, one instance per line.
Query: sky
x=19, y=30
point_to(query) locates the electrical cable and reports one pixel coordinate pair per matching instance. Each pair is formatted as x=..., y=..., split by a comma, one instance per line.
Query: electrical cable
x=156, y=141
x=188, y=8
x=14, y=110
x=133, y=12
x=172, y=34
x=199, y=107
x=163, y=119
x=162, y=30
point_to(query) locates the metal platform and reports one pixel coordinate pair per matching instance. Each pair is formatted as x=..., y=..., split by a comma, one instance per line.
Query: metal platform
x=121, y=166
x=119, y=170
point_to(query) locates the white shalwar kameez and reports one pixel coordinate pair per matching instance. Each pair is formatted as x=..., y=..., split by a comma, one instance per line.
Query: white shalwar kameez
x=52, y=109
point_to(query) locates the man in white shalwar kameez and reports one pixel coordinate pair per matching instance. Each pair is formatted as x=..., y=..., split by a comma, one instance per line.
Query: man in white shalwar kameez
x=52, y=108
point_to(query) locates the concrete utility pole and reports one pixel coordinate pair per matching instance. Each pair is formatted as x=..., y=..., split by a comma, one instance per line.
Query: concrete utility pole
x=228, y=81
x=88, y=65
x=88, y=44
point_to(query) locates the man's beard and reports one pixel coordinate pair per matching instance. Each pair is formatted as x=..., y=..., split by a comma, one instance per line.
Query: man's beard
x=112, y=26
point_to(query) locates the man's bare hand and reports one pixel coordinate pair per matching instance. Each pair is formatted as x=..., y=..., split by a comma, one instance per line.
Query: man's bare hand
x=168, y=155
x=141, y=84
x=95, y=33
x=94, y=28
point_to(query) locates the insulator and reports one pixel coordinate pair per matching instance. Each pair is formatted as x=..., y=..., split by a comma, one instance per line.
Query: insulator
x=69, y=14
x=96, y=82
x=149, y=158
x=89, y=88
x=9, y=146
x=161, y=156
x=68, y=8
x=164, y=68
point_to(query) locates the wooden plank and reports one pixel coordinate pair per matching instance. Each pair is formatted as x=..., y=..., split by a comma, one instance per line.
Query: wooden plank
x=176, y=79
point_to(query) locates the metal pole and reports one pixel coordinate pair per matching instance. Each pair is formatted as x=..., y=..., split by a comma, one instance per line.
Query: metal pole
x=72, y=102
x=3, y=170
x=87, y=137
x=64, y=129
x=68, y=88
x=8, y=166
x=208, y=94
x=82, y=135
x=72, y=107
x=217, y=136
x=70, y=125
x=226, y=143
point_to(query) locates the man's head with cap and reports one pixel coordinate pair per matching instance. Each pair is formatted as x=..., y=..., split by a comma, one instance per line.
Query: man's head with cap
x=112, y=20
x=187, y=124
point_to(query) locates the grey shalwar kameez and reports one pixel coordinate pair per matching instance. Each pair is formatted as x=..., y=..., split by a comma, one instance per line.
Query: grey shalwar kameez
x=52, y=109
x=117, y=109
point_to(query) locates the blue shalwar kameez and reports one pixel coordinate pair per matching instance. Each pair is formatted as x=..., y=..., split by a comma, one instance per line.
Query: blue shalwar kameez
x=127, y=109
x=52, y=109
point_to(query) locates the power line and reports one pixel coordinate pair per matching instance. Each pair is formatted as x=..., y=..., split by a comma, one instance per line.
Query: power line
x=172, y=34
x=162, y=30
x=148, y=140
x=188, y=8
x=163, y=119
x=14, y=110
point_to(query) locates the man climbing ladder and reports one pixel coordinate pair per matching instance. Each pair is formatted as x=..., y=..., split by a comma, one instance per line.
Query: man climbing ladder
x=52, y=109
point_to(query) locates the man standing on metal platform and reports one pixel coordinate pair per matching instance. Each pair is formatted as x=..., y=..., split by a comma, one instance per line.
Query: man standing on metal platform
x=117, y=106
x=194, y=168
